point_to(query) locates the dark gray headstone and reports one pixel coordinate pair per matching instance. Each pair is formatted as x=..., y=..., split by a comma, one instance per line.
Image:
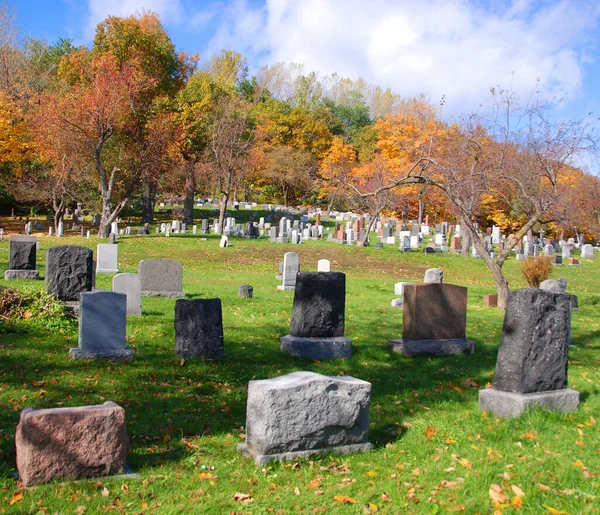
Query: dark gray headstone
x=319, y=303
x=245, y=291
x=161, y=278
x=102, y=320
x=22, y=252
x=199, y=328
x=534, y=346
x=69, y=271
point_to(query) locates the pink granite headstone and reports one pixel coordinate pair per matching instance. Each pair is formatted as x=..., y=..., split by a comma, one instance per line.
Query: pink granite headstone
x=71, y=443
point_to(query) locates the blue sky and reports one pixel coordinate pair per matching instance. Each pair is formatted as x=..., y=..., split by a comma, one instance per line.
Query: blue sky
x=456, y=49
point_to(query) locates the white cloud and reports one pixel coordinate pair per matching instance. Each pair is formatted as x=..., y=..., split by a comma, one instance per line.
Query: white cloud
x=452, y=48
x=168, y=10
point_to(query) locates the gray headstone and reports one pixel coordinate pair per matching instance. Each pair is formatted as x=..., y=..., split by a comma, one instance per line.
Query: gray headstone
x=533, y=352
x=102, y=319
x=129, y=284
x=433, y=276
x=199, y=328
x=245, y=291
x=69, y=271
x=305, y=413
x=291, y=266
x=107, y=258
x=161, y=278
x=21, y=252
x=559, y=286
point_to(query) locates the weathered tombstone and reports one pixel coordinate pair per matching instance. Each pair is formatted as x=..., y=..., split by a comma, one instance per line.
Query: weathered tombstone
x=434, y=321
x=379, y=246
x=291, y=266
x=490, y=300
x=224, y=242
x=130, y=285
x=303, y=413
x=399, y=288
x=531, y=368
x=112, y=238
x=433, y=276
x=69, y=271
x=107, y=258
x=71, y=443
x=102, y=320
x=317, y=326
x=456, y=243
x=199, y=329
x=323, y=265
x=161, y=278
x=587, y=252
x=245, y=291
x=21, y=258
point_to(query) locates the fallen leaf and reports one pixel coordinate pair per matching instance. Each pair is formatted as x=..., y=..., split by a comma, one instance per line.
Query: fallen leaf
x=104, y=492
x=344, y=499
x=456, y=388
x=372, y=473
x=17, y=497
x=465, y=463
x=517, y=502
x=373, y=507
x=470, y=383
x=431, y=431
x=554, y=511
x=166, y=438
x=530, y=436
x=319, y=492
x=518, y=492
x=243, y=498
x=80, y=510
x=544, y=487
x=385, y=498
x=496, y=493
x=296, y=491
x=205, y=475
x=314, y=483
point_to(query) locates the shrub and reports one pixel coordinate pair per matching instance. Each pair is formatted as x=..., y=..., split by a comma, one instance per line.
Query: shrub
x=34, y=306
x=536, y=270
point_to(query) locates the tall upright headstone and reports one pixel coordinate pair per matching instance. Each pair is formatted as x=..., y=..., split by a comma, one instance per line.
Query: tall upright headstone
x=199, y=328
x=531, y=368
x=21, y=258
x=107, y=258
x=304, y=413
x=102, y=320
x=318, y=317
x=130, y=285
x=69, y=271
x=434, y=320
x=291, y=267
x=161, y=278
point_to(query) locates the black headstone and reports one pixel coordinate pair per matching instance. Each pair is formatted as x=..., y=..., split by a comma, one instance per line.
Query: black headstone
x=69, y=271
x=533, y=352
x=21, y=252
x=319, y=303
x=199, y=328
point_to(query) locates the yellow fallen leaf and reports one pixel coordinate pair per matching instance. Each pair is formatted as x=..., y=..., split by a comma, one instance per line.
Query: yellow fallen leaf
x=17, y=497
x=554, y=511
x=530, y=436
x=517, y=502
x=314, y=483
x=166, y=438
x=518, y=492
x=344, y=499
x=465, y=463
x=578, y=464
x=496, y=493
x=372, y=473
x=458, y=389
x=543, y=487
x=205, y=475
x=296, y=491
x=430, y=431
x=373, y=507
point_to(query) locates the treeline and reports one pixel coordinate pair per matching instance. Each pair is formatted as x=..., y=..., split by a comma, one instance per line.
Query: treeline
x=130, y=120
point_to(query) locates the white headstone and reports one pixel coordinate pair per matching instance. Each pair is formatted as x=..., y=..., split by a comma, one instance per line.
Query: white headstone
x=130, y=285
x=414, y=242
x=587, y=251
x=291, y=266
x=323, y=265
x=114, y=228
x=224, y=242
x=399, y=288
x=107, y=258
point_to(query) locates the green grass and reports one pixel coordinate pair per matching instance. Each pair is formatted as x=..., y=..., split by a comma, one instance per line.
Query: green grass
x=434, y=451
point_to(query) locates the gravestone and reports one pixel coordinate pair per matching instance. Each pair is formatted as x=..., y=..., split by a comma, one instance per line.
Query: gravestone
x=434, y=321
x=69, y=271
x=161, y=278
x=433, y=276
x=323, y=265
x=130, y=285
x=102, y=320
x=317, y=325
x=399, y=288
x=199, y=328
x=490, y=300
x=21, y=258
x=224, y=242
x=107, y=258
x=531, y=368
x=245, y=291
x=291, y=266
x=303, y=413
x=71, y=443
x=587, y=252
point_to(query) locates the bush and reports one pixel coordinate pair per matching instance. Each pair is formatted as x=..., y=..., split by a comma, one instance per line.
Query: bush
x=536, y=270
x=34, y=307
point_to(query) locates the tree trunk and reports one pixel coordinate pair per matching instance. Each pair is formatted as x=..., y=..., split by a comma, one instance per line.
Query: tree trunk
x=222, y=211
x=466, y=243
x=105, y=216
x=190, y=191
x=148, y=198
x=421, y=209
x=365, y=240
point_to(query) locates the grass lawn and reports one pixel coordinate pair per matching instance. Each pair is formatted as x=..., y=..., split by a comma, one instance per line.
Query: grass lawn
x=434, y=451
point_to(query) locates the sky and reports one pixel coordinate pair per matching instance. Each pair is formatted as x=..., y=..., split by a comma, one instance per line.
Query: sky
x=454, y=50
